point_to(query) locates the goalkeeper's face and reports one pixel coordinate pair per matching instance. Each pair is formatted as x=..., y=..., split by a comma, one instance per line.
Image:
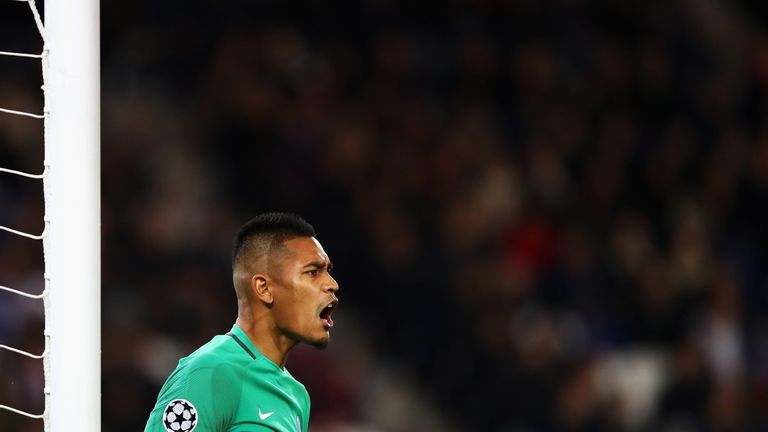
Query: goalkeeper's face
x=304, y=292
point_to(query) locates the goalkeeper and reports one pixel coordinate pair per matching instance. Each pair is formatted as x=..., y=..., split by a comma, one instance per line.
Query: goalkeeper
x=238, y=381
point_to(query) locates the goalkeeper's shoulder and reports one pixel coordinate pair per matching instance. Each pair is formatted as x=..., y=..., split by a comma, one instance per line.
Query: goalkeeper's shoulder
x=218, y=354
x=206, y=391
x=208, y=372
x=214, y=370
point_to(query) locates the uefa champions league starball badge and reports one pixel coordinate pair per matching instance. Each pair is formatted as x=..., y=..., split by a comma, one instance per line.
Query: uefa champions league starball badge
x=180, y=416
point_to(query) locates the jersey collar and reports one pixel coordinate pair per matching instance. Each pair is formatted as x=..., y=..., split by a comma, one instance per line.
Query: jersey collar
x=245, y=342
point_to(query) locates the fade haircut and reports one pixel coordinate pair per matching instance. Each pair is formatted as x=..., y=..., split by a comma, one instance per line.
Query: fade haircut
x=267, y=231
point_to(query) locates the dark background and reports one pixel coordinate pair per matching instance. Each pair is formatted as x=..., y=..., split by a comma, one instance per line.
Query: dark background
x=544, y=215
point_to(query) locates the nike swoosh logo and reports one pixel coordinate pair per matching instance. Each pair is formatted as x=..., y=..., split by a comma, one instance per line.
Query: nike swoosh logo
x=265, y=415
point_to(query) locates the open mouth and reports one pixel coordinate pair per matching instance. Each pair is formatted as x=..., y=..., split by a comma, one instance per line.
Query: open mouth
x=325, y=314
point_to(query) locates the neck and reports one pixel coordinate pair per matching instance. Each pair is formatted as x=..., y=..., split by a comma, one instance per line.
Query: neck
x=270, y=341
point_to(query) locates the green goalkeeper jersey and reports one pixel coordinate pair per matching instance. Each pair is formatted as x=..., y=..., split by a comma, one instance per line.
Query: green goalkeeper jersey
x=228, y=386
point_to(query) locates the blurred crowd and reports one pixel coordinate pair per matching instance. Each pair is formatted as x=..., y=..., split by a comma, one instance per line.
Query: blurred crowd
x=543, y=215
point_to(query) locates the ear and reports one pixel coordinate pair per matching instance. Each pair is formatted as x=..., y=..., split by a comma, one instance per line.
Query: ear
x=261, y=288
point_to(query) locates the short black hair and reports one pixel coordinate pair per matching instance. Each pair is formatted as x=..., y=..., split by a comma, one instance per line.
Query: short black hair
x=270, y=228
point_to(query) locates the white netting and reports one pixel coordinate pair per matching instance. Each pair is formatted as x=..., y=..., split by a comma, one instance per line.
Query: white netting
x=42, y=57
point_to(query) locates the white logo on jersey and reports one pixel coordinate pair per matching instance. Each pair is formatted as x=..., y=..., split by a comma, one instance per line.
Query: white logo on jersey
x=298, y=424
x=180, y=416
x=265, y=415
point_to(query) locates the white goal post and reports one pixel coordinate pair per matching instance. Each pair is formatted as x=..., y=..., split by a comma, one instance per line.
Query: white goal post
x=72, y=189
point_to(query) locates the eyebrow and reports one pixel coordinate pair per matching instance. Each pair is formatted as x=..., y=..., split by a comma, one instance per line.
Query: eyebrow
x=320, y=264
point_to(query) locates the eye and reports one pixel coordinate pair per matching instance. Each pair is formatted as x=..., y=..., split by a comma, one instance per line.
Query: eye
x=312, y=272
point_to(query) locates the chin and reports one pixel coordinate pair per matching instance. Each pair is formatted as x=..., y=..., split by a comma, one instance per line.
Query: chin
x=321, y=343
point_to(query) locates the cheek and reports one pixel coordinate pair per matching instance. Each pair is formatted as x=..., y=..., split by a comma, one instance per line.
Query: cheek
x=293, y=312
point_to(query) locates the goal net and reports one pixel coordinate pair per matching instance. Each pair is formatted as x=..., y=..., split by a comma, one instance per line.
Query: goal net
x=70, y=227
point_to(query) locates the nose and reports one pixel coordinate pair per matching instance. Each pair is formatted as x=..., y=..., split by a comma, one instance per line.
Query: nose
x=333, y=286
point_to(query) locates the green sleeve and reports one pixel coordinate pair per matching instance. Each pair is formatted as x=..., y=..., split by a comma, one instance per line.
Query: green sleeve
x=215, y=393
x=211, y=392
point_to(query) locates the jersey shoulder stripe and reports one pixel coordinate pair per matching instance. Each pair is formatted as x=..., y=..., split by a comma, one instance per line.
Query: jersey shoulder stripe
x=239, y=342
